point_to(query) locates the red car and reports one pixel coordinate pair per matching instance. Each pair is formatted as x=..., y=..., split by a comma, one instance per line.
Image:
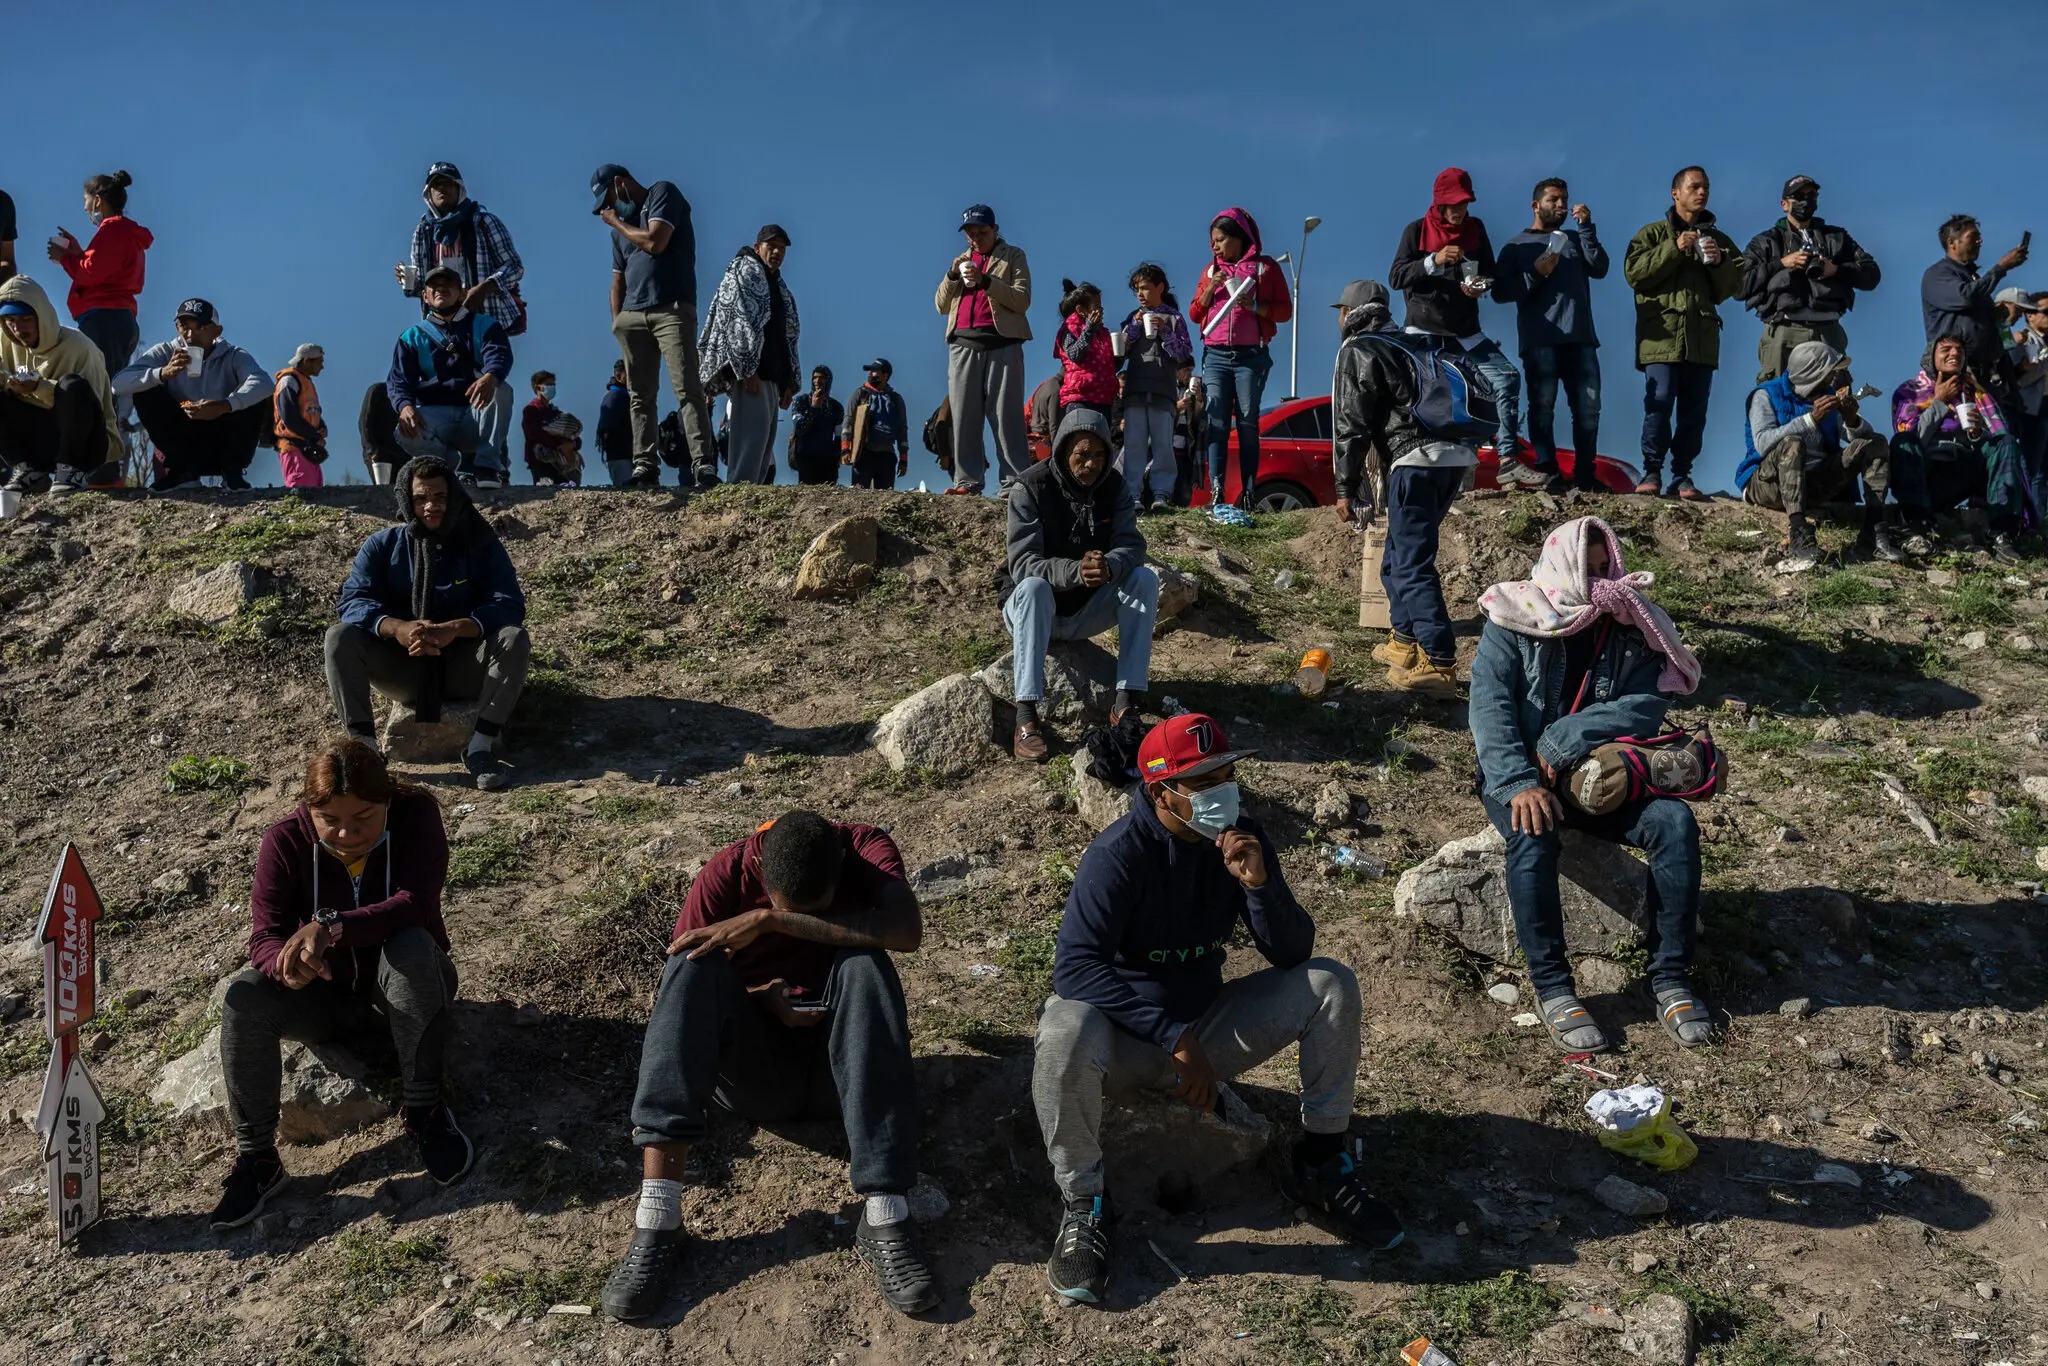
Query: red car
x=1295, y=440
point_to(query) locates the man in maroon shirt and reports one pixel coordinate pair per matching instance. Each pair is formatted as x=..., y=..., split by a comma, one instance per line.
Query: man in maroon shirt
x=779, y=1002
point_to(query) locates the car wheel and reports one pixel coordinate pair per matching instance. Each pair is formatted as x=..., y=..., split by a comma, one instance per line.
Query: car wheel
x=1279, y=495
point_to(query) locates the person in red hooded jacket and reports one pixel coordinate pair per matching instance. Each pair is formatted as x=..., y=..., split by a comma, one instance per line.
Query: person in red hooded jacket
x=1239, y=305
x=106, y=277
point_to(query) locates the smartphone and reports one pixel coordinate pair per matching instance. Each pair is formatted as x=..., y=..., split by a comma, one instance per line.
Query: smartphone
x=2026, y=239
x=808, y=1005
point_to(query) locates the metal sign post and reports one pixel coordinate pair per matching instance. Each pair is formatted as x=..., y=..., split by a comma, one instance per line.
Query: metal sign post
x=71, y=1110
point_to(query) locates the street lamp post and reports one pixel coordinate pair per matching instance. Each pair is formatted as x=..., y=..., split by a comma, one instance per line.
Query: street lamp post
x=1308, y=225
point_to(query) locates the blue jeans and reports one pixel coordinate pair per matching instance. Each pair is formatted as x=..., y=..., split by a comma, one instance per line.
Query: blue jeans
x=1506, y=383
x=1131, y=605
x=1418, y=498
x=472, y=441
x=1233, y=380
x=1579, y=368
x=114, y=331
x=1662, y=828
x=1685, y=386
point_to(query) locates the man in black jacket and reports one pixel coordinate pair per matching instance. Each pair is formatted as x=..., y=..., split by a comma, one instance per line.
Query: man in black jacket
x=878, y=430
x=1374, y=398
x=1800, y=276
x=1075, y=566
x=1443, y=267
x=815, y=419
x=1956, y=301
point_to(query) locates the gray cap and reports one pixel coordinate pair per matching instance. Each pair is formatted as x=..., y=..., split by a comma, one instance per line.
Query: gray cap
x=2022, y=299
x=1359, y=293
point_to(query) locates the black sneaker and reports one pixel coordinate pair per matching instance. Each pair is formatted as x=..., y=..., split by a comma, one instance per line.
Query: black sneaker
x=639, y=1284
x=2003, y=549
x=445, y=1150
x=250, y=1183
x=1802, y=550
x=66, y=481
x=1079, y=1266
x=905, y=1281
x=483, y=766
x=235, y=482
x=26, y=480
x=1333, y=1189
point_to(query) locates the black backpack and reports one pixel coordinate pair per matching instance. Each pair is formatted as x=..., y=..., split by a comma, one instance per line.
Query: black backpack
x=1453, y=401
x=668, y=441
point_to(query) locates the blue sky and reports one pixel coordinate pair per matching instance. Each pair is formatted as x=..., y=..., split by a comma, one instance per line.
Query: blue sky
x=278, y=153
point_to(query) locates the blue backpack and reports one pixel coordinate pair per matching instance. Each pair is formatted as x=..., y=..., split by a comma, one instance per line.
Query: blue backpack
x=1453, y=401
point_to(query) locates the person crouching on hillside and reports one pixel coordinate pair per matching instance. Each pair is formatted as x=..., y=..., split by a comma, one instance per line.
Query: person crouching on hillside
x=1074, y=567
x=1570, y=659
x=1139, y=1001
x=432, y=612
x=347, y=928
x=780, y=1001
x=1807, y=444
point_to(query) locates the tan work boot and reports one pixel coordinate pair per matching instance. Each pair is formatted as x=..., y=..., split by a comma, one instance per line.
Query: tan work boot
x=1396, y=653
x=1426, y=677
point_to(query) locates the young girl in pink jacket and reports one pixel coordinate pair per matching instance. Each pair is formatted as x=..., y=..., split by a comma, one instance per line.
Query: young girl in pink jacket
x=1088, y=362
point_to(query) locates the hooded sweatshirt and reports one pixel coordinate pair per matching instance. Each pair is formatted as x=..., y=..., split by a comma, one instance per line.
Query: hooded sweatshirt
x=468, y=572
x=1054, y=520
x=1239, y=326
x=108, y=273
x=1436, y=299
x=59, y=351
x=1782, y=408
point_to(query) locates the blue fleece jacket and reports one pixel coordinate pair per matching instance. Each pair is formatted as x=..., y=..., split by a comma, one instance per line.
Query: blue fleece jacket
x=479, y=584
x=432, y=366
x=1554, y=309
x=1145, y=927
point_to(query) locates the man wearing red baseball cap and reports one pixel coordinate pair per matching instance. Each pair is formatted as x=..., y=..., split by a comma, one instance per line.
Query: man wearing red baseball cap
x=1139, y=999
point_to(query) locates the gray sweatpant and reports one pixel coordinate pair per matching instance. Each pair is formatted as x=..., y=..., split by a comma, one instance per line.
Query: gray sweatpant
x=987, y=386
x=1147, y=452
x=1080, y=1054
x=411, y=989
x=750, y=435
x=490, y=668
x=646, y=340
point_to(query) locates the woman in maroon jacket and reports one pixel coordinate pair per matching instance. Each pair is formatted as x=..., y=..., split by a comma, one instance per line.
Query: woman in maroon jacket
x=347, y=928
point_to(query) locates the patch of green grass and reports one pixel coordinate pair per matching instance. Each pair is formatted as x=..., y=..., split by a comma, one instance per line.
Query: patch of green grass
x=375, y=1266
x=972, y=647
x=533, y=1291
x=767, y=501
x=134, y=1120
x=265, y=532
x=1733, y=1328
x=1524, y=522
x=1843, y=591
x=324, y=1347
x=550, y=1172
x=551, y=689
x=484, y=860
x=1979, y=600
x=626, y=808
x=209, y=773
x=1950, y=775
x=175, y=1041
x=910, y=781
x=1507, y=1309
x=540, y=801
x=1315, y=1324
x=2023, y=825
x=21, y=1051
x=185, y=1339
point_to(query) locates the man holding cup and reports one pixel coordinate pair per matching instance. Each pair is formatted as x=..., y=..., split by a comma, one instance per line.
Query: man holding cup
x=57, y=427
x=447, y=384
x=203, y=400
x=984, y=296
x=1681, y=267
x=457, y=231
x=1800, y=276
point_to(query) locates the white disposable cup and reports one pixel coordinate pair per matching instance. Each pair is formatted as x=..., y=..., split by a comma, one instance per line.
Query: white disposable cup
x=381, y=471
x=1557, y=243
x=10, y=503
x=1116, y=343
x=1966, y=413
x=57, y=240
x=1470, y=269
x=1151, y=325
x=410, y=281
x=196, y=361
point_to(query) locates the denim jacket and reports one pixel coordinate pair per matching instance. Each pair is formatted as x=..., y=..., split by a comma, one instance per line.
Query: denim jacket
x=1519, y=709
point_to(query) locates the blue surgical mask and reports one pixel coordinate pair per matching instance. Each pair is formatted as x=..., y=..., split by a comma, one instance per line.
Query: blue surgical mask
x=622, y=207
x=1212, y=810
x=547, y=391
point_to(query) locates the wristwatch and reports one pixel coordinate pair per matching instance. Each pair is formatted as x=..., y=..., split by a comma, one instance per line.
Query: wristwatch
x=329, y=918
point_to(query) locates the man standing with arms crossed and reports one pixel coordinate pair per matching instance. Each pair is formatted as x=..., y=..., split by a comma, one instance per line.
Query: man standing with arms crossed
x=654, y=313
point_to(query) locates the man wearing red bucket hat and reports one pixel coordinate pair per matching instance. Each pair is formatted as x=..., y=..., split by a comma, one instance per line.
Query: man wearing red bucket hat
x=1139, y=1001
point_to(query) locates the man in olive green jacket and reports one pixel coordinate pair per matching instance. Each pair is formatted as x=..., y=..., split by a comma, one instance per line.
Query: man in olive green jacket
x=1681, y=268
x=984, y=295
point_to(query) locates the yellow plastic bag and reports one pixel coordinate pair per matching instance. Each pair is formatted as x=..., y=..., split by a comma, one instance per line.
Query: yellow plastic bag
x=1657, y=1141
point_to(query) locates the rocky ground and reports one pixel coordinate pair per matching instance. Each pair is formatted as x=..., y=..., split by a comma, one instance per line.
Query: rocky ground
x=1872, y=935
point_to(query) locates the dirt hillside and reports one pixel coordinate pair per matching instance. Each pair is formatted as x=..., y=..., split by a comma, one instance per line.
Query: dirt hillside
x=681, y=697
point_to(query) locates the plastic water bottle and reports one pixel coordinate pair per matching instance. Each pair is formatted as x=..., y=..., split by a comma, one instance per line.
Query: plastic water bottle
x=1314, y=674
x=921, y=488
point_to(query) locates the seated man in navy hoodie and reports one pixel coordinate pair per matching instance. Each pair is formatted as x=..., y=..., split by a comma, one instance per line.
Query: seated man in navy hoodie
x=1139, y=999
x=458, y=634
x=447, y=384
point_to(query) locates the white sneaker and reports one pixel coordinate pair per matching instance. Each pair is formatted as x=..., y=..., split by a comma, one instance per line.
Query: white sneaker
x=489, y=481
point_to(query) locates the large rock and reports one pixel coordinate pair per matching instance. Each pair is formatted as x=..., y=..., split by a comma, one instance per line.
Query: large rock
x=1659, y=1331
x=1462, y=890
x=840, y=562
x=323, y=1094
x=1177, y=591
x=948, y=728
x=954, y=875
x=408, y=739
x=1080, y=677
x=218, y=594
x=1100, y=804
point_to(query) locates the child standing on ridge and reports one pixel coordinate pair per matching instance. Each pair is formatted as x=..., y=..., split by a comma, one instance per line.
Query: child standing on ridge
x=1156, y=346
x=1088, y=361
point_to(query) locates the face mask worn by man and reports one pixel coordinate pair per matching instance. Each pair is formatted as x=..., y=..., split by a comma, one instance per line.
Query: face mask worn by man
x=622, y=207
x=1212, y=810
x=547, y=391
